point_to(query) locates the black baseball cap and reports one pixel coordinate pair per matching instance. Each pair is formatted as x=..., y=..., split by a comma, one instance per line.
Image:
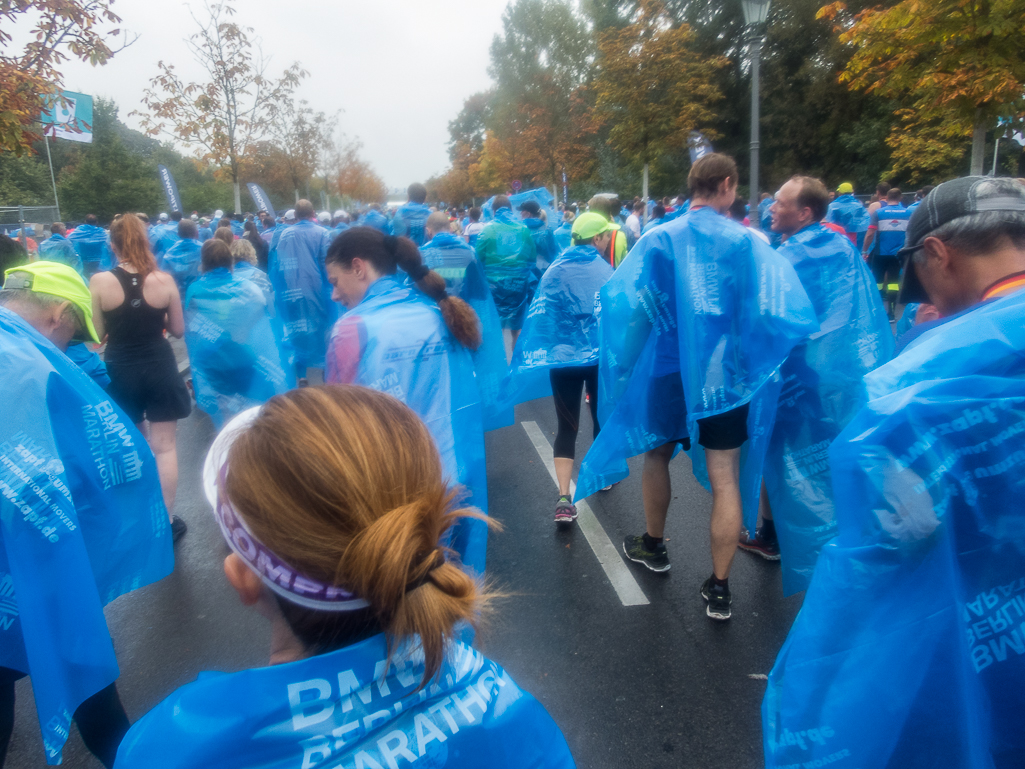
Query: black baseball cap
x=950, y=201
x=531, y=207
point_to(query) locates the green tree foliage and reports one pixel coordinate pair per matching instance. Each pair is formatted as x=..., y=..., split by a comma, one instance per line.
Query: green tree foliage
x=107, y=178
x=24, y=181
x=653, y=88
x=952, y=66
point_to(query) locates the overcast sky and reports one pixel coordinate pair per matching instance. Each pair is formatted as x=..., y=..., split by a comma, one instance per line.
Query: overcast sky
x=399, y=70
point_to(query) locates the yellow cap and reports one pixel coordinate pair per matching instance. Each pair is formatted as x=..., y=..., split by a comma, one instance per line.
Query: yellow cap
x=845, y=188
x=58, y=280
x=589, y=224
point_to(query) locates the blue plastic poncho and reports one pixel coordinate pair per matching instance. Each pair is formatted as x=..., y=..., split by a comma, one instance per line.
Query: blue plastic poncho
x=82, y=521
x=544, y=242
x=162, y=237
x=409, y=221
x=907, y=320
x=909, y=649
x=205, y=233
x=506, y=251
x=236, y=362
x=93, y=246
x=822, y=391
x=350, y=708
x=703, y=300
x=90, y=363
x=396, y=341
x=238, y=228
x=541, y=196
x=182, y=261
x=851, y=214
x=561, y=328
x=57, y=248
x=301, y=289
x=456, y=262
x=375, y=219
x=563, y=236
x=260, y=279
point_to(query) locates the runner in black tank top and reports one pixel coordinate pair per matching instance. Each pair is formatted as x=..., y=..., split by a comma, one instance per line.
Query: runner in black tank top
x=143, y=371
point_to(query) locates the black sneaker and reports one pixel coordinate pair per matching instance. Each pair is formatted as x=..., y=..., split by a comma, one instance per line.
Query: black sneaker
x=565, y=510
x=759, y=545
x=656, y=560
x=719, y=600
x=178, y=528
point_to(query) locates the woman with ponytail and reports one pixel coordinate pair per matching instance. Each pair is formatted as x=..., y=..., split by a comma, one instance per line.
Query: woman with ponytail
x=332, y=502
x=133, y=305
x=414, y=343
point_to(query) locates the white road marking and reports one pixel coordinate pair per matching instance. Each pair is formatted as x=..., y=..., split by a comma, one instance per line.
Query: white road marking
x=608, y=556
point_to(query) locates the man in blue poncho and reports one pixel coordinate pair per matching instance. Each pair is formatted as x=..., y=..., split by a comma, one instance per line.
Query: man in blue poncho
x=205, y=233
x=182, y=259
x=82, y=518
x=849, y=213
x=822, y=381
x=921, y=596
x=506, y=250
x=164, y=234
x=540, y=233
x=695, y=324
x=411, y=217
x=301, y=288
x=374, y=218
x=57, y=248
x=451, y=257
x=92, y=243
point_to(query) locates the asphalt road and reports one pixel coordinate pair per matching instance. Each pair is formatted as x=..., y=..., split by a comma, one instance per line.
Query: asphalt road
x=648, y=686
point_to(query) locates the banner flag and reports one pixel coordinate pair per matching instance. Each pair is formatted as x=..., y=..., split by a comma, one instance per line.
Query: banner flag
x=699, y=146
x=174, y=201
x=69, y=116
x=260, y=198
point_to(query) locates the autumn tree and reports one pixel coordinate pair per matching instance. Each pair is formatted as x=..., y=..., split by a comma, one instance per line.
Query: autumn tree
x=30, y=74
x=225, y=114
x=653, y=89
x=541, y=63
x=953, y=66
x=350, y=175
x=300, y=133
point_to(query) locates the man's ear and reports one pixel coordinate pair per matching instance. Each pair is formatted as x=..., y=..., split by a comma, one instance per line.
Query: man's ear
x=936, y=251
x=246, y=583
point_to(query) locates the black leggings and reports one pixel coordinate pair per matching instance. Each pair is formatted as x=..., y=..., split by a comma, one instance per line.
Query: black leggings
x=101, y=719
x=566, y=389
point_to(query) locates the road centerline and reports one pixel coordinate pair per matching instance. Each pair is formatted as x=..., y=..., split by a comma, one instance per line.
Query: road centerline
x=623, y=582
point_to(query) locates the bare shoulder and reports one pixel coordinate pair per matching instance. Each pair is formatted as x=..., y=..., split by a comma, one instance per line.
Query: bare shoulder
x=101, y=280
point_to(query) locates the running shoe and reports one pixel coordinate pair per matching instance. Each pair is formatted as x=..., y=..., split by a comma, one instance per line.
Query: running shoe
x=719, y=600
x=759, y=545
x=656, y=560
x=565, y=510
x=178, y=528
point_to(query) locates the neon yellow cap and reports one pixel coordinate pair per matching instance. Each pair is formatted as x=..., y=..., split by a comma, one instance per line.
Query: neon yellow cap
x=845, y=189
x=58, y=280
x=589, y=224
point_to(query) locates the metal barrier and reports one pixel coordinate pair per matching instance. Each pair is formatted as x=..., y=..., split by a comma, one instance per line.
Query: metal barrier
x=18, y=218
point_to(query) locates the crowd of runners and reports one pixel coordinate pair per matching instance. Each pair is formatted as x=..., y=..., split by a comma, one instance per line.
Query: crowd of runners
x=845, y=379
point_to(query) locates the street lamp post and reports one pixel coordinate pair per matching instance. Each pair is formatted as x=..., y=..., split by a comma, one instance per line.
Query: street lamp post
x=755, y=13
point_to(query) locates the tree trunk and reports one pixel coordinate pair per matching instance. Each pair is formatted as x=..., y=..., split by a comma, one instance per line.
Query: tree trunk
x=978, y=144
x=238, y=198
x=296, y=191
